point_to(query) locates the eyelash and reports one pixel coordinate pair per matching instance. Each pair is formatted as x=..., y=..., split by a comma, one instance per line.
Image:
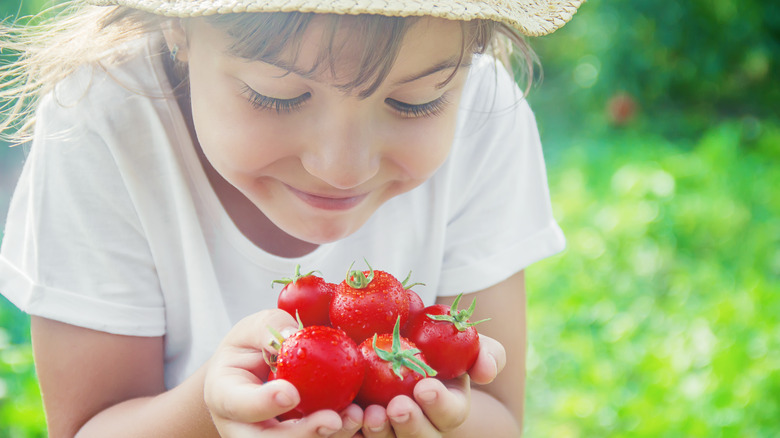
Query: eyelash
x=409, y=111
x=406, y=110
x=258, y=101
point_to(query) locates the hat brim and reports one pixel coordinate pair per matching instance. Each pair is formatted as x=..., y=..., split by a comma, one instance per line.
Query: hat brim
x=530, y=17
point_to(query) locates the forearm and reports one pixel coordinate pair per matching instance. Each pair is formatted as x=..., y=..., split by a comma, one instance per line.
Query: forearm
x=179, y=412
x=497, y=407
x=489, y=418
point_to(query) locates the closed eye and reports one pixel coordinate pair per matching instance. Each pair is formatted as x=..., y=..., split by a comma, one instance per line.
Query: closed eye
x=259, y=101
x=429, y=109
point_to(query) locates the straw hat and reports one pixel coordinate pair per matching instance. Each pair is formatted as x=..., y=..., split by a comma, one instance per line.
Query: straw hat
x=531, y=17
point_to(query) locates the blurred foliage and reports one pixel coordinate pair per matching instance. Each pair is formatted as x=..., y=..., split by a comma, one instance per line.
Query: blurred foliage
x=660, y=318
x=661, y=130
x=662, y=137
x=684, y=64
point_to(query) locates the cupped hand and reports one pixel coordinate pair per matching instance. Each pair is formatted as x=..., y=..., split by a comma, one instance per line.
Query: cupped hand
x=243, y=405
x=438, y=407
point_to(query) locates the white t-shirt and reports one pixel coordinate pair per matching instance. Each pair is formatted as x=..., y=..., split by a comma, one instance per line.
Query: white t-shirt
x=114, y=226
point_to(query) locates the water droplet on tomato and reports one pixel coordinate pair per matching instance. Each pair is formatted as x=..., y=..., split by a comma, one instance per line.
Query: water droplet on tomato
x=302, y=353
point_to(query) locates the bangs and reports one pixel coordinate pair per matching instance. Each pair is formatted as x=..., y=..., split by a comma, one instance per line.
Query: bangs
x=373, y=40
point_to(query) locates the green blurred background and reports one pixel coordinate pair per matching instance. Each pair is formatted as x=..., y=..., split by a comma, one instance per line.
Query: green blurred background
x=662, y=136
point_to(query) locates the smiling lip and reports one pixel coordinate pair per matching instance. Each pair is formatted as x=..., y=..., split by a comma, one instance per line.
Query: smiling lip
x=328, y=202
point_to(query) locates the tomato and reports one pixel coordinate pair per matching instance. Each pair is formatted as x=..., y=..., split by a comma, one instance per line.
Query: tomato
x=447, y=338
x=324, y=364
x=393, y=366
x=415, y=302
x=368, y=302
x=416, y=307
x=308, y=295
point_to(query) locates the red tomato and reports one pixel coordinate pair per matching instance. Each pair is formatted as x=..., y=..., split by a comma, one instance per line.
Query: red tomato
x=416, y=307
x=309, y=295
x=324, y=364
x=447, y=338
x=393, y=366
x=368, y=302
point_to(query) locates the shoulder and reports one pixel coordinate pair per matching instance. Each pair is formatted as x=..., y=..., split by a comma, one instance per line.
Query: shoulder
x=100, y=109
x=494, y=118
x=493, y=109
x=490, y=86
x=123, y=89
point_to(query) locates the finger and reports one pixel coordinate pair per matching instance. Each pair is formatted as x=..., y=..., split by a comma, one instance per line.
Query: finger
x=490, y=361
x=244, y=346
x=253, y=332
x=323, y=423
x=445, y=404
x=376, y=423
x=351, y=422
x=234, y=383
x=244, y=402
x=408, y=420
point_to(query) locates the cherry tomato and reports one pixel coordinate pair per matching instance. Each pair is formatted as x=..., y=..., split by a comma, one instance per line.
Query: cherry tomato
x=416, y=307
x=368, y=302
x=324, y=364
x=447, y=338
x=308, y=295
x=393, y=366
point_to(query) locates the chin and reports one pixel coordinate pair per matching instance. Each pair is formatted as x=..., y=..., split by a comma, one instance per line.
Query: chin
x=325, y=232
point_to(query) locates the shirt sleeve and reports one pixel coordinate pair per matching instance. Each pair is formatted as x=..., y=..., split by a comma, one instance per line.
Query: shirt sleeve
x=73, y=248
x=501, y=218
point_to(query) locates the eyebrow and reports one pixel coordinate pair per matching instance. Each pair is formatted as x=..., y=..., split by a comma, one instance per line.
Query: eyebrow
x=290, y=68
x=447, y=64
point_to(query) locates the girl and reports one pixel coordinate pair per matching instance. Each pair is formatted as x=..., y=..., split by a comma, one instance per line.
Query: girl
x=186, y=153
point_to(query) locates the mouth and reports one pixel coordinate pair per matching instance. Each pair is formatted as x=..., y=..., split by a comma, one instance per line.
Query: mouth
x=326, y=202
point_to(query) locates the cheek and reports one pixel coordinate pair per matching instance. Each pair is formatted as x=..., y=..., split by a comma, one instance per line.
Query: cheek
x=421, y=146
x=234, y=136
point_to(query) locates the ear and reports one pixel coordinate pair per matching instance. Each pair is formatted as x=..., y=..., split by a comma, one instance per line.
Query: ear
x=176, y=38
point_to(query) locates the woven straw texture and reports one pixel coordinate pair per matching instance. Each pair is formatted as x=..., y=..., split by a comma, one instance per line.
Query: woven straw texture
x=531, y=17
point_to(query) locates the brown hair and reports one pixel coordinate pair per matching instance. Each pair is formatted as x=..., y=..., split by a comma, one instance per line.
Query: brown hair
x=267, y=36
x=79, y=35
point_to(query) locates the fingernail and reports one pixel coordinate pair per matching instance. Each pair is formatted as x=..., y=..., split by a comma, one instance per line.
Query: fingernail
x=427, y=396
x=283, y=399
x=403, y=418
x=288, y=331
x=349, y=423
x=325, y=431
x=377, y=429
x=495, y=364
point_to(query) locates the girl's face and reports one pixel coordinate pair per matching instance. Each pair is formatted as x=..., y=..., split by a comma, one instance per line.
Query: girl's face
x=316, y=160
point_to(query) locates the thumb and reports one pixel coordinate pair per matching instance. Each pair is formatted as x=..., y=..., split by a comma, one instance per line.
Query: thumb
x=490, y=361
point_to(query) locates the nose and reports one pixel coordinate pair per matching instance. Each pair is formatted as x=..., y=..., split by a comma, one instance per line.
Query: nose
x=342, y=151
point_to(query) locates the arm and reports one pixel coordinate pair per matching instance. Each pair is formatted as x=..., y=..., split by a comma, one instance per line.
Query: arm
x=96, y=384
x=497, y=408
x=100, y=384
